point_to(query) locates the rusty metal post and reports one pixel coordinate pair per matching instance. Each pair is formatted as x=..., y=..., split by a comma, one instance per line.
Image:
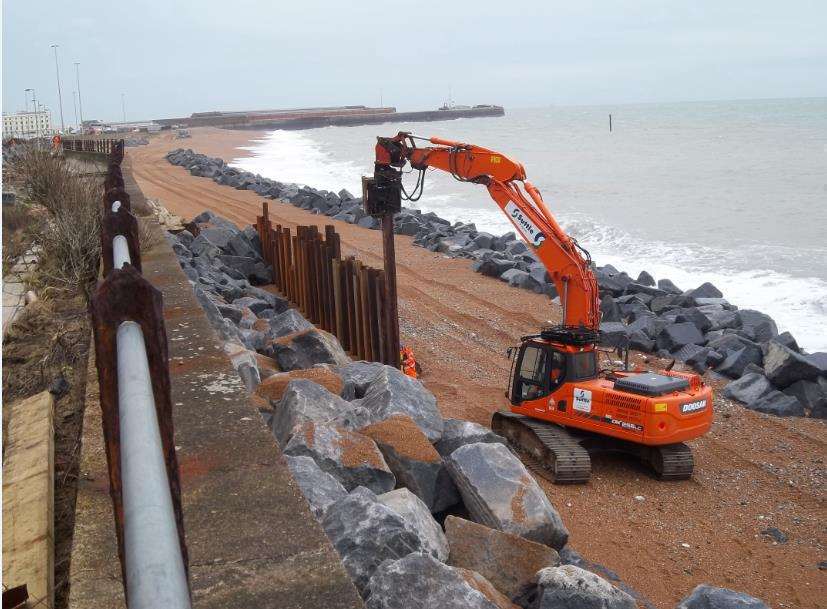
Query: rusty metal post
x=126, y=296
x=119, y=222
x=391, y=307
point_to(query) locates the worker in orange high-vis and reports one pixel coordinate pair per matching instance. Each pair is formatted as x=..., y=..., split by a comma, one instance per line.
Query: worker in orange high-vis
x=408, y=362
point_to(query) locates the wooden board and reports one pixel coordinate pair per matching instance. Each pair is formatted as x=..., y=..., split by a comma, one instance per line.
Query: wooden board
x=28, y=499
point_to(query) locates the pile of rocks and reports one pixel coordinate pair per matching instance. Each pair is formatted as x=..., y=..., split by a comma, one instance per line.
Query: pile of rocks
x=702, y=329
x=424, y=511
x=136, y=141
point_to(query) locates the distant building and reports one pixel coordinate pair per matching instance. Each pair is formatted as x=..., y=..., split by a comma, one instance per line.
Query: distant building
x=27, y=124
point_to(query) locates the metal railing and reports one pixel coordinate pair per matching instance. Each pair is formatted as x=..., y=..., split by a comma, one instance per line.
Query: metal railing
x=133, y=373
x=101, y=145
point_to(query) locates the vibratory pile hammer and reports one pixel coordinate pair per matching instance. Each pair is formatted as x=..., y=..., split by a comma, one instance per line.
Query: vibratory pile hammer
x=563, y=407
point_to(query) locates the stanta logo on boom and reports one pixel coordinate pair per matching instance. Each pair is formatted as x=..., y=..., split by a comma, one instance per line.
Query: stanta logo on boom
x=532, y=234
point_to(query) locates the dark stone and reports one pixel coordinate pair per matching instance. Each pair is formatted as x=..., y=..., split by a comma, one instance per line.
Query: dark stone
x=709, y=597
x=456, y=433
x=748, y=389
x=639, y=341
x=645, y=279
x=392, y=392
x=59, y=387
x=357, y=377
x=760, y=324
x=287, y=323
x=509, y=562
x=610, y=310
x=571, y=587
x=705, y=290
x=419, y=581
x=319, y=488
x=305, y=349
x=304, y=401
x=787, y=339
x=520, y=279
x=365, y=532
x=614, y=334
x=736, y=362
x=812, y=394
x=778, y=404
x=489, y=478
x=784, y=366
x=414, y=511
x=777, y=535
x=670, y=288
x=351, y=458
x=677, y=335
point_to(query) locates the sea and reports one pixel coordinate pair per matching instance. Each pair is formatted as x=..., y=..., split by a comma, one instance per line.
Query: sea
x=731, y=192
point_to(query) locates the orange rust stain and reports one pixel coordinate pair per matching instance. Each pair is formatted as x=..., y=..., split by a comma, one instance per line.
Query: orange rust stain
x=404, y=436
x=517, y=502
x=358, y=450
x=194, y=466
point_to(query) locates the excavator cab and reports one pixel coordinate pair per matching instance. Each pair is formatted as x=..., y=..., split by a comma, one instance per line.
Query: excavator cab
x=539, y=368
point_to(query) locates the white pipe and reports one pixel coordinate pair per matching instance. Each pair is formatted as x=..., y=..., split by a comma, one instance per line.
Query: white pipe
x=155, y=575
x=116, y=206
x=120, y=251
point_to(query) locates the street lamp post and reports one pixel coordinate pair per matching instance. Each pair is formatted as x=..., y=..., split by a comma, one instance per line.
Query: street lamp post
x=75, y=104
x=80, y=98
x=59, y=96
x=123, y=107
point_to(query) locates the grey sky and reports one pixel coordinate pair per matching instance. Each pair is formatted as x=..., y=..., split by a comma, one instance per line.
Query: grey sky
x=174, y=58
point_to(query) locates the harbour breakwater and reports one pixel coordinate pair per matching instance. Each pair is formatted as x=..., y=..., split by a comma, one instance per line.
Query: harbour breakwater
x=767, y=370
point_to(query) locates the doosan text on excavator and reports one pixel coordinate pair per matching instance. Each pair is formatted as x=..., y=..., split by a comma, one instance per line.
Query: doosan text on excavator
x=563, y=406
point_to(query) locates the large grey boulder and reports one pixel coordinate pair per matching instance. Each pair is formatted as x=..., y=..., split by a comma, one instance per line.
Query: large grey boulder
x=710, y=597
x=499, y=492
x=419, y=581
x=256, y=305
x=251, y=268
x=517, y=278
x=456, y=433
x=288, y=322
x=759, y=324
x=392, y=392
x=366, y=532
x=812, y=394
x=705, y=290
x=748, y=389
x=570, y=587
x=418, y=516
x=319, y=488
x=784, y=366
x=357, y=377
x=677, y=335
x=305, y=349
x=614, y=334
x=304, y=401
x=735, y=364
x=414, y=461
x=510, y=562
x=351, y=458
x=778, y=404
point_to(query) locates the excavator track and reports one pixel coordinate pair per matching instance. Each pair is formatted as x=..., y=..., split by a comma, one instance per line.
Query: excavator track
x=671, y=462
x=549, y=449
x=563, y=457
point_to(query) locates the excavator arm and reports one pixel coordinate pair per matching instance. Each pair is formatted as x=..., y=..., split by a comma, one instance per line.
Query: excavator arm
x=564, y=260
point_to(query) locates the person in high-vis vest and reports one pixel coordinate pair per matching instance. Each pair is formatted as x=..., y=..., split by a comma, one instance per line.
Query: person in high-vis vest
x=408, y=362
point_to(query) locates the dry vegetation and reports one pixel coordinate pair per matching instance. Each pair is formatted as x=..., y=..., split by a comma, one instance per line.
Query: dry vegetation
x=68, y=236
x=58, y=215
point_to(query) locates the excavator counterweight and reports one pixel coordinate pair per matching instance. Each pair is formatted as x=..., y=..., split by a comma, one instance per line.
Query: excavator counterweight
x=562, y=407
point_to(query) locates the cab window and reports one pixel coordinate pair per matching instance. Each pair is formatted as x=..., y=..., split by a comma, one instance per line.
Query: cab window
x=531, y=376
x=583, y=365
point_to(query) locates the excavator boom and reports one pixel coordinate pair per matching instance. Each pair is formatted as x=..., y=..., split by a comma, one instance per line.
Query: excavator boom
x=562, y=407
x=521, y=202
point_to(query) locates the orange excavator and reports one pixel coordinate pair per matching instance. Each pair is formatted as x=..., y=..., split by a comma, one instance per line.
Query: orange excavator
x=563, y=407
